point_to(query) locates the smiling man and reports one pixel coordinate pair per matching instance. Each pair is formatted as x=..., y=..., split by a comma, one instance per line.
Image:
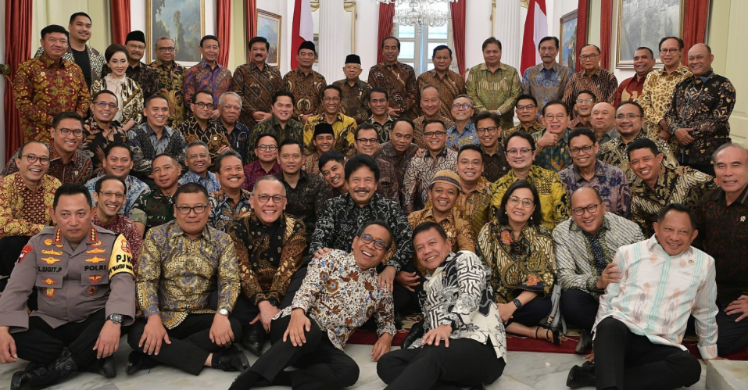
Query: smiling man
x=200, y=127
x=603, y=122
x=280, y=124
x=110, y=194
x=144, y=75
x=463, y=132
x=305, y=83
x=322, y=141
x=366, y=142
x=354, y=90
x=256, y=83
x=552, y=152
x=230, y=106
x=585, y=102
x=199, y=167
x=631, y=88
x=331, y=165
x=343, y=126
x=473, y=201
x=592, y=78
x=208, y=74
x=450, y=83
x=100, y=129
x=546, y=81
x=377, y=101
x=156, y=207
x=494, y=163
x=118, y=162
x=231, y=200
x=431, y=104
x=397, y=78
x=171, y=78
x=527, y=111
x=267, y=151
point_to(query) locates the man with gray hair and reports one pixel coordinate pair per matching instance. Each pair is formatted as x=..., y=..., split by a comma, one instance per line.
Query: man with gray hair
x=198, y=161
x=230, y=106
x=270, y=245
x=171, y=77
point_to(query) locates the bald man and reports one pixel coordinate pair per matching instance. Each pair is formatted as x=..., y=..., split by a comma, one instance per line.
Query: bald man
x=603, y=122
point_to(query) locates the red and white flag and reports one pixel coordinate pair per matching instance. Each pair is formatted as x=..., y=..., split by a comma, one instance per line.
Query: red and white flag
x=302, y=27
x=534, y=30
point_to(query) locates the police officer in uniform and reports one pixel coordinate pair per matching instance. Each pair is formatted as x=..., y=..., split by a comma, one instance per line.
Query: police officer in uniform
x=86, y=292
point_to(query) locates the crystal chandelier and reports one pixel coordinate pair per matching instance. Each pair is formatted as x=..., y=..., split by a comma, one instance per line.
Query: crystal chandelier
x=420, y=13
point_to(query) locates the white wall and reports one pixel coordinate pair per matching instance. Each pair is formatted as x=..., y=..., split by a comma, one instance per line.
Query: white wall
x=366, y=34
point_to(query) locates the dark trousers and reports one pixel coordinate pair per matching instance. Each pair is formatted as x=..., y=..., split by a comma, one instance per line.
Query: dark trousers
x=319, y=364
x=628, y=361
x=579, y=308
x=190, y=342
x=732, y=335
x=464, y=363
x=10, y=250
x=533, y=312
x=43, y=344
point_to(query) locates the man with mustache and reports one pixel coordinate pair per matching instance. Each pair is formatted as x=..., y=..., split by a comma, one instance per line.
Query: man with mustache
x=367, y=143
x=355, y=91
x=256, y=83
x=632, y=87
x=546, y=81
x=305, y=83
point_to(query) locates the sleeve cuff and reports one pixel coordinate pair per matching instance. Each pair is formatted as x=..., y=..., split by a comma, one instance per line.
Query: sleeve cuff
x=709, y=351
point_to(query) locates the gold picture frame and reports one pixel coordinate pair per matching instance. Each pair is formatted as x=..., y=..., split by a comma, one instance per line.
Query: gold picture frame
x=568, y=33
x=646, y=23
x=268, y=25
x=178, y=20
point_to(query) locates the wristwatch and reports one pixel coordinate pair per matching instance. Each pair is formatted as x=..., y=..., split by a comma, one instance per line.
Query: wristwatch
x=517, y=303
x=224, y=312
x=115, y=318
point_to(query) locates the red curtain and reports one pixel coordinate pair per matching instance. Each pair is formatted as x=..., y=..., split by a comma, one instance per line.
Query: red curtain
x=582, y=29
x=18, y=17
x=251, y=29
x=385, y=25
x=458, y=16
x=120, y=17
x=694, y=30
x=606, y=34
x=223, y=29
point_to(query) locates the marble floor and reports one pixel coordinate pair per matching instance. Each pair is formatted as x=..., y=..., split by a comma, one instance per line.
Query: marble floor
x=525, y=371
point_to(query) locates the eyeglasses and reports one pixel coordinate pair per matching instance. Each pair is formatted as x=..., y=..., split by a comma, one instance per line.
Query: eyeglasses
x=367, y=140
x=263, y=198
x=584, y=149
x=525, y=202
x=629, y=116
x=434, y=134
x=203, y=106
x=464, y=106
x=66, y=132
x=482, y=130
x=199, y=209
x=580, y=101
x=553, y=117
x=588, y=56
x=367, y=239
x=267, y=147
x=137, y=47
x=590, y=208
x=102, y=104
x=522, y=108
x=30, y=158
x=171, y=48
x=670, y=50
x=518, y=151
x=117, y=195
x=331, y=99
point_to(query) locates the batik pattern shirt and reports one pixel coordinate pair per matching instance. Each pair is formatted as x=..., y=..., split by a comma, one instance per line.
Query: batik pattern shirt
x=96, y=61
x=129, y=98
x=456, y=140
x=495, y=164
x=306, y=200
x=575, y=254
x=601, y=82
x=237, y=138
x=388, y=184
x=678, y=287
x=526, y=264
x=177, y=274
x=25, y=212
x=723, y=233
x=383, y=129
x=42, y=89
x=401, y=83
x=146, y=146
x=269, y=255
x=123, y=225
x=342, y=219
x=419, y=128
x=340, y=297
x=211, y=136
x=355, y=97
x=609, y=181
x=475, y=206
x=399, y=161
x=615, y=152
x=136, y=188
x=456, y=228
x=657, y=95
x=494, y=91
x=78, y=170
x=458, y=292
x=307, y=90
x=224, y=210
x=310, y=164
x=255, y=171
x=581, y=122
x=292, y=130
x=419, y=175
x=171, y=79
x=146, y=77
x=153, y=209
x=210, y=182
x=674, y=185
x=200, y=76
x=546, y=84
x=344, y=128
x=551, y=191
x=95, y=142
x=555, y=158
x=629, y=90
x=703, y=104
x=256, y=87
x=534, y=128
x=449, y=86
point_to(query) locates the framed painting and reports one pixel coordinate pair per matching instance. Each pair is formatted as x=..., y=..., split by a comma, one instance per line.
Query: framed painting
x=269, y=27
x=568, y=50
x=644, y=23
x=182, y=20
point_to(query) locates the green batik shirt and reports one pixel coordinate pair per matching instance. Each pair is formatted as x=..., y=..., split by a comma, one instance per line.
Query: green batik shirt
x=153, y=209
x=555, y=158
x=292, y=130
x=494, y=91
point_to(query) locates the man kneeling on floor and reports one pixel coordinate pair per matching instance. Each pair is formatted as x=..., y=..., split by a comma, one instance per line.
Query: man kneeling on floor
x=642, y=319
x=84, y=277
x=180, y=265
x=459, y=311
x=338, y=295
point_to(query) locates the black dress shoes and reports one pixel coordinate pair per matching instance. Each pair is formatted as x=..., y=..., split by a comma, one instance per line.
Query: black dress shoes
x=416, y=332
x=230, y=359
x=106, y=367
x=581, y=376
x=585, y=342
x=253, y=338
x=137, y=361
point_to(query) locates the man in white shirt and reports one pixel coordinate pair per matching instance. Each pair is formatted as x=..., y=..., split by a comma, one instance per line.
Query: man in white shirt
x=642, y=318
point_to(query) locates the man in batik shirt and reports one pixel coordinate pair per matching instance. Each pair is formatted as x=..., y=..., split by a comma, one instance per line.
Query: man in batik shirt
x=305, y=84
x=527, y=111
x=381, y=119
x=546, y=81
x=463, y=132
x=281, y=124
x=421, y=170
x=397, y=78
x=230, y=201
x=171, y=77
x=495, y=165
x=256, y=82
x=473, y=202
x=200, y=127
x=449, y=83
x=267, y=151
x=322, y=141
x=230, y=105
x=199, y=167
x=46, y=86
x=157, y=207
x=155, y=137
x=552, y=142
x=584, y=103
x=208, y=74
x=430, y=101
x=631, y=88
x=110, y=194
x=100, y=129
x=118, y=162
x=143, y=74
x=592, y=78
x=367, y=143
x=399, y=150
x=343, y=126
x=355, y=91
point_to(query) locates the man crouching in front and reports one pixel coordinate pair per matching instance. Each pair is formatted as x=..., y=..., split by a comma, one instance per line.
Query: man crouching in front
x=83, y=275
x=338, y=295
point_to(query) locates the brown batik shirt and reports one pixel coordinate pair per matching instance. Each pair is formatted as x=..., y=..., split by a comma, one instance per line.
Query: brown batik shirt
x=256, y=87
x=401, y=83
x=307, y=90
x=450, y=85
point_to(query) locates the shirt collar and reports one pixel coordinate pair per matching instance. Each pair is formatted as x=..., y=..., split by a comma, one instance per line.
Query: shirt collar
x=501, y=67
x=682, y=69
x=655, y=247
x=442, y=153
x=175, y=231
x=150, y=131
x=720, y=196
x=704, y=79
x=605, y=224
x=48, y=62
